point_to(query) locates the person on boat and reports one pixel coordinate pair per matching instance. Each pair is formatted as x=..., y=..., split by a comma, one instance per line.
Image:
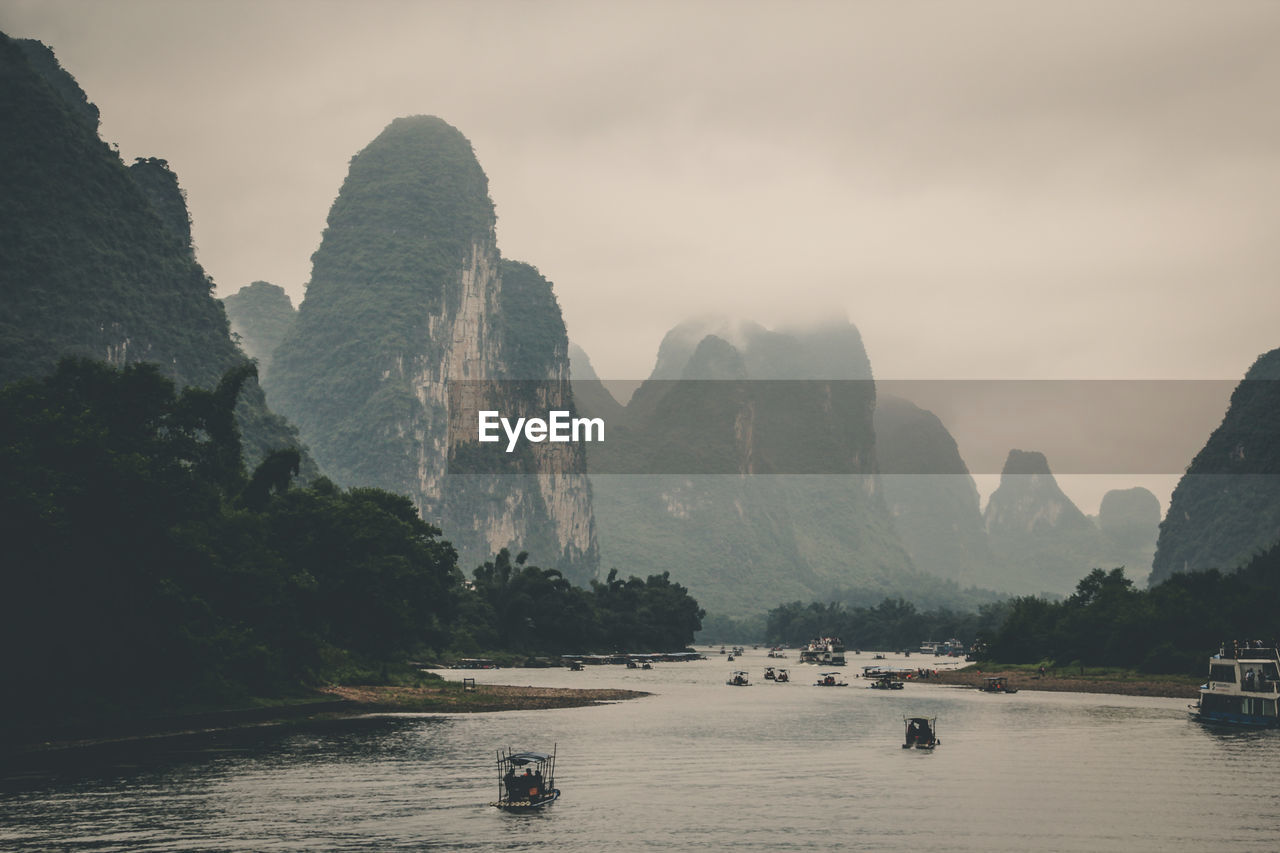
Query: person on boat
x=925, y=734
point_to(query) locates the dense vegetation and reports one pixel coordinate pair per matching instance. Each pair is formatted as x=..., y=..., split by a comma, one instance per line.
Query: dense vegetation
x=146, y=568
x=892, y=624
x=535, y=344
x=1170, y=627
x=1227, y=505
x=96, y=257
x=522, y=608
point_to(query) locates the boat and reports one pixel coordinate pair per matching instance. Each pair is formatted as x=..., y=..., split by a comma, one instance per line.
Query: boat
x=782, y=677
x=886, y=681
x=770, y=674
x=1243, y=687
x=997, y=684
x=526, y=780
x=830, y=679
x=922, y=733
x=827, y=651
x=738, y=678
x=474, y=663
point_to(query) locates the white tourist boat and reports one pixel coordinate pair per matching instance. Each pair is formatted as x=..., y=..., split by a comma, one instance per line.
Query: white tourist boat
x=828, y=651
x=1243, y=686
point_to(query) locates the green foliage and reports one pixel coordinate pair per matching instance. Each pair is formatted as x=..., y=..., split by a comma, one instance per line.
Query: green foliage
x=95, y=257
x=522, y=608
x=535, y=344
x=894, y=623
x=1227, y=505
x=146, y=567
x=1169, y=628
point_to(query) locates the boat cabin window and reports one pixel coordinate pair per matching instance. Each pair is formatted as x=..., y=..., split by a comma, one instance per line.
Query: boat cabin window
x=1222, y=672
x=1269, y=672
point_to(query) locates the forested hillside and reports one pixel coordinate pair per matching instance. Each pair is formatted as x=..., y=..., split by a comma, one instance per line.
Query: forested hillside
x=1226, y=508
x=96, y=257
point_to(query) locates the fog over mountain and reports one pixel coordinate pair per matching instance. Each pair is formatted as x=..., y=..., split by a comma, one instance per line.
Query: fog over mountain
x=992, y=189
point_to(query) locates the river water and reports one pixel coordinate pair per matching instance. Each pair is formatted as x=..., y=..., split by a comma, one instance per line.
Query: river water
x=696, y=766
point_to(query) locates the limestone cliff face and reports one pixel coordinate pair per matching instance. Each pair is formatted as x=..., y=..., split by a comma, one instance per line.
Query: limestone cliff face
x=1128, y=522
x=932, y=497
x=752, y=470
x=1043, y=541
x=1226, y=508
x=411, y=320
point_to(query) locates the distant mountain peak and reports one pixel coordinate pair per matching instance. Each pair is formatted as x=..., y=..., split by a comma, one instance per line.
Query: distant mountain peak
x=1029, y=497
x=715, y=358
x=1024, y=462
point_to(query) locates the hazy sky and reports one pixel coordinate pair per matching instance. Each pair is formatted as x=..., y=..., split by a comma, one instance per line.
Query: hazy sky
x=986, y=189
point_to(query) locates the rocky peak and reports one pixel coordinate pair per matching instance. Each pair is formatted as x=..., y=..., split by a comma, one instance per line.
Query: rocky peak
x=408, y=295
x=1035, y=530
x=1226, y=507
x=1029, y=498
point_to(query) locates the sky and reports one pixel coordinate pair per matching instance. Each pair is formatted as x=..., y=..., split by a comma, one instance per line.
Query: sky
x=988, y=190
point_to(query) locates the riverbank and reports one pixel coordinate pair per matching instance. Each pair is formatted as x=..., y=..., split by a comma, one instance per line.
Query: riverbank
x=451, y=697
x=327, y=704
x=1092, y=680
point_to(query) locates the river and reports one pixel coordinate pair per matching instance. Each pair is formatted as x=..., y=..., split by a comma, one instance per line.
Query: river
x=698, y=765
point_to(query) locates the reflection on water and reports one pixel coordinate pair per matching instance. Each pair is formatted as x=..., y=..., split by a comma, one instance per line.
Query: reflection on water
x=698, y=765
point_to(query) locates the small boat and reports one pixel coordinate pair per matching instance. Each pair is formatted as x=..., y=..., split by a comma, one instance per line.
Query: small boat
x=782, y=677
x=997, y=684
x=526, y=780
x=830, y=679
x=770, y=674
x=922, y=733
x=886, y=681
x=1243, y=687
x=738, y=679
